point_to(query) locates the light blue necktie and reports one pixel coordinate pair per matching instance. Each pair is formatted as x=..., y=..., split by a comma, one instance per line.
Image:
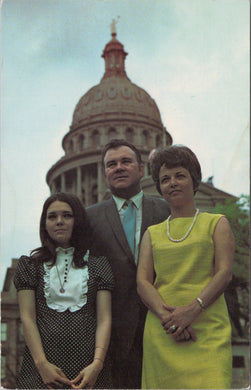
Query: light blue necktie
x=129, y=223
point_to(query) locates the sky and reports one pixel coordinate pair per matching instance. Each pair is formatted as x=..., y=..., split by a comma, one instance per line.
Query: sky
x=191, y=56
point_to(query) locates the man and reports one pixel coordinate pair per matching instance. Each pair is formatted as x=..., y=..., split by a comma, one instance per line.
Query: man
x=123, y=170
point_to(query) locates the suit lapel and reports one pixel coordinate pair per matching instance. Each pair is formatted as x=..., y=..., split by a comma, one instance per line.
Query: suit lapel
x=113, y=218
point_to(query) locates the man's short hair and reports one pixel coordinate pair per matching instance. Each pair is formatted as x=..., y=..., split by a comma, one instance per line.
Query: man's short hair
x=117, y=143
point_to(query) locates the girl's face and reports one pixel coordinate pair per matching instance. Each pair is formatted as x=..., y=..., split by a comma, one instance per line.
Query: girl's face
x=59, y=223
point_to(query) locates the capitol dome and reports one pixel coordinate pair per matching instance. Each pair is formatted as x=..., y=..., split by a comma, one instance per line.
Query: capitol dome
x=115, y=108
x=116, y=93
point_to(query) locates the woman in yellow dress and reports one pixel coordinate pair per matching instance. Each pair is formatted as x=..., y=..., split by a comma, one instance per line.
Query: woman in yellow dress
x=184, y=267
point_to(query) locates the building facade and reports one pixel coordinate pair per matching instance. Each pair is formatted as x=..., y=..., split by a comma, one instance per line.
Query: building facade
x=12, y=339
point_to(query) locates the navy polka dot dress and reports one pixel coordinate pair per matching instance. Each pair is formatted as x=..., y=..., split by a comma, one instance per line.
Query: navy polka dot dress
x=68, y=338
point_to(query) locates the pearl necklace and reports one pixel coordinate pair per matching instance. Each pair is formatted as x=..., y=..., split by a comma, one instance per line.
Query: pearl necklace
x=187, y=233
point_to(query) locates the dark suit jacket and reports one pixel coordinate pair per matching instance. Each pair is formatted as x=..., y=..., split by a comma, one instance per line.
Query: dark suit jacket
x=109, y=240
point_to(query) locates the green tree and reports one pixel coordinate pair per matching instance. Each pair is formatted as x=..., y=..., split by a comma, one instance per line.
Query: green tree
x=237, y=293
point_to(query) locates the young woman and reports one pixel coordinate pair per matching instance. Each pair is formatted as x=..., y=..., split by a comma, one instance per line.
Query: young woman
x=185, y=265
x=65, y=303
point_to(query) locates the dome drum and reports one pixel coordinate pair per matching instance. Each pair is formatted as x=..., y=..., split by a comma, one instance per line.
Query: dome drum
x=112, y=116
x=81, y=174
x=95, y=137
x=81, y=180
x=67, y=163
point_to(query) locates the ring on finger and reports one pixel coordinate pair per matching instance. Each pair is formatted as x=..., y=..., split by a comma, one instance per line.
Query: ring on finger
x=173, y=328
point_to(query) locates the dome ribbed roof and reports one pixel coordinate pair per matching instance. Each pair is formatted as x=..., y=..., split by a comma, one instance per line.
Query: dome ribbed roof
x=115, y=93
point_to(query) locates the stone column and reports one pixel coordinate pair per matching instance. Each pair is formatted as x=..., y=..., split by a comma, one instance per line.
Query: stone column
x=100, y=182
x=121, y=132
x=87, y=189
x=151, y=141
x=79, y=182
x=63, y=182
x=103, y=137
x=88, y=138
x=53, y=187
x=138, y=137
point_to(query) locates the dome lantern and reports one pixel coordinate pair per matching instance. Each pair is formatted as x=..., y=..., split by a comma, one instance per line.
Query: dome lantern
x=114, y=56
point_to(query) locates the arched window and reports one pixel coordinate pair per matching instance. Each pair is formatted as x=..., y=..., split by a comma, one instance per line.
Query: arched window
x=3, y=367
x=149, y=170
x=94, y=194
x=81, y=142
x=145, y=138
x=70, y=146
x=95, y=138
x=70, y=181
x=4, y=329
x=129, y=134
x=57, y=184
x=112, y=133
x=83, y=197
x=158, y=141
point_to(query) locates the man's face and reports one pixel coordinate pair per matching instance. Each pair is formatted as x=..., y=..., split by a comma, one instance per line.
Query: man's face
x=123, y=172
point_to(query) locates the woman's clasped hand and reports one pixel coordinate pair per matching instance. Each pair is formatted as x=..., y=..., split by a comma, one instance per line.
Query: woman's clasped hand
x=178, y=322
x=88, y=376
x=52, y=375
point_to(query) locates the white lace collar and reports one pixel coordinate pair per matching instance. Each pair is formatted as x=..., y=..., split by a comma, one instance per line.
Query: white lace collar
x=76, y=287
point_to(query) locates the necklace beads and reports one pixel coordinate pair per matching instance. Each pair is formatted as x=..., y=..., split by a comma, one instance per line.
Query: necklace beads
x=66, y=272
x=188, y=231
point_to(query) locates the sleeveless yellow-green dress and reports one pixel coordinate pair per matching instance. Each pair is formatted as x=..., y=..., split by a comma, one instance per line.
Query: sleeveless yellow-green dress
x=182, y=270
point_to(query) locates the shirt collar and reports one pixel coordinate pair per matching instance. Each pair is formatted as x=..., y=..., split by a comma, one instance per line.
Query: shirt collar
x=68, y=251
x=137, y=200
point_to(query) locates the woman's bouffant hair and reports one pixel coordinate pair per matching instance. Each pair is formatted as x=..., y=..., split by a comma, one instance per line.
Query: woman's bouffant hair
x=176, y=156
x=82, y=234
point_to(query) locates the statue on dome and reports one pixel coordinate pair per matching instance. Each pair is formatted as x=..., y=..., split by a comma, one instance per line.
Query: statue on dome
x=113, y=26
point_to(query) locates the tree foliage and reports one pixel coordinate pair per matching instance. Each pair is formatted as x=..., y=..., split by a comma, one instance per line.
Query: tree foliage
x=237, y=293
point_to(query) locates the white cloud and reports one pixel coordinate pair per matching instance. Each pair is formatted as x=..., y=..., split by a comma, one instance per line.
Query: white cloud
x=194, y=78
